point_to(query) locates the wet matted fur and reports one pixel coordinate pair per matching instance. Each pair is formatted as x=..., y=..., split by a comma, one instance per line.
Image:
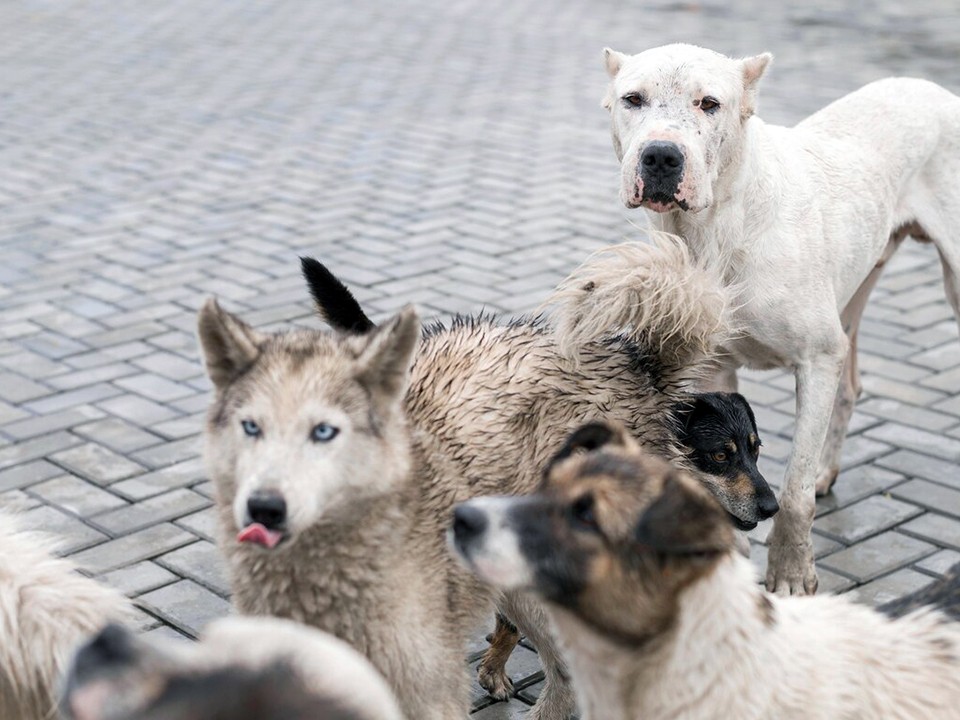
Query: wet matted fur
x=46, y=609
x=263, y=668
x=660, y=618
x=369, y=451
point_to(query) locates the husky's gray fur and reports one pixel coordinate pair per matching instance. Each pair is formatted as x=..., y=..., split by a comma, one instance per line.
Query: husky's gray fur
x=479, y=410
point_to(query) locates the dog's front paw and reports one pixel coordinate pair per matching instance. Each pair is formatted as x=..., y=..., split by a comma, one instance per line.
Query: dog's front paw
x=494, y=679
x=790, y=568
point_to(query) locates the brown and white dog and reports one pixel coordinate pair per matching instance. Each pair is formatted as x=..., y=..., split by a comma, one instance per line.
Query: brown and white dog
x=660, y=618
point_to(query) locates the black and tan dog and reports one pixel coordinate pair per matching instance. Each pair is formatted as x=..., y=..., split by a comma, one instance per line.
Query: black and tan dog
x=660, y=617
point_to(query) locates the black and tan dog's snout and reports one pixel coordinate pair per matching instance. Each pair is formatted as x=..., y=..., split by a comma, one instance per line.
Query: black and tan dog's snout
x=660, y=169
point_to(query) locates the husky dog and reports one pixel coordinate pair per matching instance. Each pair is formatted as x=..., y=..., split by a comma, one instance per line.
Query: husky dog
x=263, y=668
x=46, y=610
x=660, y=618
x=801, y=219
x=337, y=459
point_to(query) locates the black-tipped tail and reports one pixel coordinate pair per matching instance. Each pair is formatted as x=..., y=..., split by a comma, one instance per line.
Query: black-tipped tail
x=334, y=301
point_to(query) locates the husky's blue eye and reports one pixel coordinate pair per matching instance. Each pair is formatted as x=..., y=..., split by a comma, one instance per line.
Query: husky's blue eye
x=250, y=428
x=324, y=432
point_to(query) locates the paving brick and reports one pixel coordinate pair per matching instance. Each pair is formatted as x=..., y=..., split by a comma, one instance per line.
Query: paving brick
x=935, y=528
x=157, y=509
x=136, y=409
x=152, y=483
x=72, y=534
x=44, y=424
x=187, y=606
x=117, y=435
x=97, y=463
x=16, y=388
x=76, y=496
x=939, y=562
x=930, y=496
x=865, y=518
x=132, y=549
x=20, y=476
x=140, y=578
x=878, y=556
x=855, y=484
x=202, y=563
x=914, y=464
x=897, y=584
x=919, y=440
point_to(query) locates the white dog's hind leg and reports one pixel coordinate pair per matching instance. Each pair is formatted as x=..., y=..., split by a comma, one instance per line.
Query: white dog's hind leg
x=850, y=387
x=790, y=569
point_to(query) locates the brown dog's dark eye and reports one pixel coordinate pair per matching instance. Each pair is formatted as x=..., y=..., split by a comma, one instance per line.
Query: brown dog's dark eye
x=582, y=511
x=709, y=104
x=719, y=457
x=634, y=99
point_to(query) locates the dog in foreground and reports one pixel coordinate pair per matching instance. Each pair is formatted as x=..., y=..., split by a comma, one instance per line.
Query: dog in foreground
x=660, y=618
x=46, y=610
x=263, y=668
x=337, y=459
x=800, y=220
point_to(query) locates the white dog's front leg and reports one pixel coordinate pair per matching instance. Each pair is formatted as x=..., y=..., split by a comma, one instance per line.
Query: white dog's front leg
x=790, y=569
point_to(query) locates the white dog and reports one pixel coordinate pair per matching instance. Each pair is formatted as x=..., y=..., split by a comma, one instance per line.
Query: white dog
x=46, y=610
x=800, y=219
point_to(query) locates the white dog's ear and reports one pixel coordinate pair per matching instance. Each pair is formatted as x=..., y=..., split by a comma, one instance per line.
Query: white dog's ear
x=613, y=60
x=753, y=69
x=228, y=344
x=384, y=364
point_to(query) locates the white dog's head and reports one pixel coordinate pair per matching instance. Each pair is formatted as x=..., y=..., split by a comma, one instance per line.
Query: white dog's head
x=677, y=114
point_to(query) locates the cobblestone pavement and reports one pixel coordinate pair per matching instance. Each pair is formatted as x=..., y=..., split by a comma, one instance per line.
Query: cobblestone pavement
x=450, y=154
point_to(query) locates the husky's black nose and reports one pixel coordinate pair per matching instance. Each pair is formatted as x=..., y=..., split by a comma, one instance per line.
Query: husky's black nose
x=268, y=508
x=468, y=522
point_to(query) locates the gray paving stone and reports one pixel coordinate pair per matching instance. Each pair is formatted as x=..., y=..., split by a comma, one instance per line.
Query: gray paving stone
x=20, y=476
x=902, y=582
x=97, y=463
x=136, y=409
x=16, y=388
x=76, y=496
x=140, y=578
x=919, y=440
x=202, y=563
x=878, y=556
x=914, y=464
x=169, y=453
x=855, y=484
x=187, y=606
x=72, y=534
x=44, y=424
x=935, y=528
x=202, y=523
x=939, y=562
x=865, y=518
x=152, y=483
x=930, y=496
x=157, y=509
x=131, y=549
x=118, y=435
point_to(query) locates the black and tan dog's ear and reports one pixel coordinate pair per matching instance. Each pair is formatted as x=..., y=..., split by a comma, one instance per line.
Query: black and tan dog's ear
x=229, y=346
x=684, y=519
x=334, y=301
x=591, y=437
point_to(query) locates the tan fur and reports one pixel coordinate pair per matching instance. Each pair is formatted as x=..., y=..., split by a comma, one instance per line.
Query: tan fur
x=46, y=609
x=484, y=406
x=326, y=667
x=664, y=620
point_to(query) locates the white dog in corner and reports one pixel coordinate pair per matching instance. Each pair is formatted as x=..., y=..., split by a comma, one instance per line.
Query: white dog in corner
x=800, y=219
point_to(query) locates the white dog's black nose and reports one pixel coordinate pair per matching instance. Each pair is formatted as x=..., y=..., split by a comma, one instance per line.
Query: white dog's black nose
x=660, y=168
x=468, y=522
x=268, y=508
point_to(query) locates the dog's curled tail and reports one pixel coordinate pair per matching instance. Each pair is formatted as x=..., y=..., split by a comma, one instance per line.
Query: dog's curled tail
x=654, y=294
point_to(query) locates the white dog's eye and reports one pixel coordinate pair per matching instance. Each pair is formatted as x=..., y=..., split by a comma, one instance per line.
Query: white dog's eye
x=250, y=428
x=709, y=104
x=324, y=432
x=634, y=99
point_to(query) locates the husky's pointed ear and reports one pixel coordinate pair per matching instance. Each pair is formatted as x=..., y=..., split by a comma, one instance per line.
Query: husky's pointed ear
x=684, y=519
x=384, y=364
x=228, y=344
x=753, y=69
x=333, y=299
x=590, y=437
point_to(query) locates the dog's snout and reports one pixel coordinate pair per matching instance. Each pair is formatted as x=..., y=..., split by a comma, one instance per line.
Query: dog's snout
x=468, y=522
x=111, y=646
x=267, y=508
x=661, y=157
x=767, y=506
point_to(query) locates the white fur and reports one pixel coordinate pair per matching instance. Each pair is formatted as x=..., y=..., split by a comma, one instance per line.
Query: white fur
x=800, y=220
x=46, y=610
x=822, y=658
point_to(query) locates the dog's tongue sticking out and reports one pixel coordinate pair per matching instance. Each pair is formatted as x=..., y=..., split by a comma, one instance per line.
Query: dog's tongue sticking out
x=259, y=535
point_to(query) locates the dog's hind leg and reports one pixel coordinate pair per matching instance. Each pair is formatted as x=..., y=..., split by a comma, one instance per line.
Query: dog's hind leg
x=850, y=387
x=492, y=671
x=556, y=701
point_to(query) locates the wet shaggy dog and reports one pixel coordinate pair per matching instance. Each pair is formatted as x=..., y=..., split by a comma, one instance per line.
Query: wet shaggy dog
x=338, y=457
x=263, y=668
x=46, y=609
x=800, y=220
x=660, y=618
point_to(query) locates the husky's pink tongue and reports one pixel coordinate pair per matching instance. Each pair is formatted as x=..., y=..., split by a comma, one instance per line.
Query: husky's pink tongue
x=259, y=535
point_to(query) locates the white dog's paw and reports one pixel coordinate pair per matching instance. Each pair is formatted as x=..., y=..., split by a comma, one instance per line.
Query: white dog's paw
x=790, y=567
x=825, y=480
